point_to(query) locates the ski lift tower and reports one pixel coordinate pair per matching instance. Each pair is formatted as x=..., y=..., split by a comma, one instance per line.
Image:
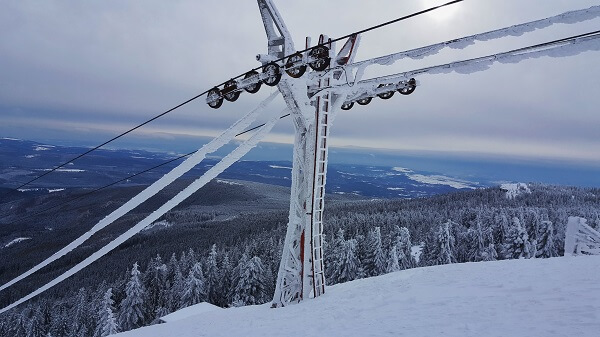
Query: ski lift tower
x=301, y=272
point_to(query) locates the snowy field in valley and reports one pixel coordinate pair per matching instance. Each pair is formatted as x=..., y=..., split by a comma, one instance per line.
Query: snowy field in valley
x=537, y=297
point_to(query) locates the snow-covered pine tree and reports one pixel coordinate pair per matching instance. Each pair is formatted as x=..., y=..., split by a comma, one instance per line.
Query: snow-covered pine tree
x=236, y=274
x=155, y=279
x=393, y=264
x=517, y=244
x=348, y=265
x=176, y=290
x=132, y=311
x=35, y=326
x=4, y=323
x=445, y=243
x=224, y=287
x=490, y=253
x=430, y=250
x=171, y=269
x=18, y=325
x=333, y=253
x=476, y=243
x=250, y=288
x=212, y=276
x=374, y=263
x=60, y=323
x=547, y=244
x=80, y=314
x=195, y=287
x=403, y=247
x=107, y=324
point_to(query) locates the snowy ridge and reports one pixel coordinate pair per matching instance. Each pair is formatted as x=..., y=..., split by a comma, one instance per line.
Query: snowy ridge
x=402, y=170
x=156, y=187
x=514, y=190
x=518, y=298
x=190, y=311
x=280, y=167
x=231, y=158
x=15, y=241
x=442, y=180
x=61, y=170
x=158, y=224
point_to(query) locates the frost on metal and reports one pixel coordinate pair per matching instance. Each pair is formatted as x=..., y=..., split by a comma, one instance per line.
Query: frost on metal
x=580, y=238
x=314, y=100
x=301, y=272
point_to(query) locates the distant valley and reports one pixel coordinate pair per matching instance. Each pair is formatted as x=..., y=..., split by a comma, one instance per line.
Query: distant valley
x=21, y=161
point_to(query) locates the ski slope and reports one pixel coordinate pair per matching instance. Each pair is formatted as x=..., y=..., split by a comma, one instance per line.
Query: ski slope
x=529, y=298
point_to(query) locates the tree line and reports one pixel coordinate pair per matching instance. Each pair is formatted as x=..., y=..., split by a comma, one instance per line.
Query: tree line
x=363, y=239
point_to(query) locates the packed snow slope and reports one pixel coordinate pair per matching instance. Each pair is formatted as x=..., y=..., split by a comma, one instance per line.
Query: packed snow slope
x=537, y=297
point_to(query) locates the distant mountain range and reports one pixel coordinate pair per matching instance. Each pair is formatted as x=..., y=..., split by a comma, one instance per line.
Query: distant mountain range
x=361, y=172
x=21, y=161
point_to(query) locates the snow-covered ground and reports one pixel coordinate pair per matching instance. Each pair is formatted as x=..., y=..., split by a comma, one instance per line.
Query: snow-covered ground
x=442, y=180
x=537, y=297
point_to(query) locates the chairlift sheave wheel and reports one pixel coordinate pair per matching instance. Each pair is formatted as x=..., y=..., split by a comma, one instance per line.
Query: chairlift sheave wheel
x=253, y=88
x=409, y=88
x=385, y=95
x=214, y=99
x=291, y=66
x=321, y=56
x=273, y=74
x=364, y=101
x=233, y=95
x=347, y=105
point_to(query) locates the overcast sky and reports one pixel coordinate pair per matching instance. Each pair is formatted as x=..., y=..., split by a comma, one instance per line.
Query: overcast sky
x=84, y=71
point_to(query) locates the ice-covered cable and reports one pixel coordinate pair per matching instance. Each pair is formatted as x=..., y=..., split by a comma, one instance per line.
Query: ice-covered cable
x=571, y=17
x=156, y=187
x=212, y=173
x=560, y=48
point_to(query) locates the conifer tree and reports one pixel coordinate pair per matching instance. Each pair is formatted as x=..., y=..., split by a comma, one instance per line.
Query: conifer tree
x=393, y=264
x=236, y=275
x=490, y=253
x=19, y=324
x=348, y=265
x=445, y=244
x=155, y=279
x=517, y=245
x=430, y=251
x=132, y=313
x=60, y=323
x=195, y=287
x=547, y=245
x=374, y=262
x=212, y=275
x=403, y=245
x=107, y=324
x=35, y=326
x=173, y=263
x=80, y=313
x=177, y=289
x=250, y=288
x=333, y=255
x=224, y=287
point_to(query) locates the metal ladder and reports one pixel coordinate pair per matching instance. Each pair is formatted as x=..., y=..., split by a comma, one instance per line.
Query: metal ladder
x=319, y=179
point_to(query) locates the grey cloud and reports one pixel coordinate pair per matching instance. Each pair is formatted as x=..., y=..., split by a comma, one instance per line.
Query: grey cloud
x=120, y=62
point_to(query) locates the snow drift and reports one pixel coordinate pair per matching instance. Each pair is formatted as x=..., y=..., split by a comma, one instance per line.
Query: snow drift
x=536, y=297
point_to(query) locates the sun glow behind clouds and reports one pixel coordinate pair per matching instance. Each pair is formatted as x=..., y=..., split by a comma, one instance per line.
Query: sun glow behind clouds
x=442, y=14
